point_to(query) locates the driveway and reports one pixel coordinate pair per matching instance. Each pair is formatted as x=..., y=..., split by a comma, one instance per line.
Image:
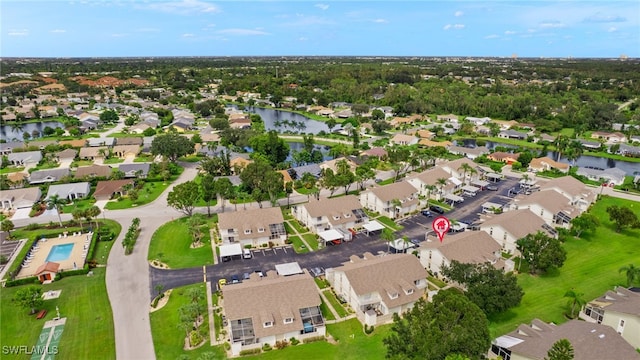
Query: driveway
x=21, y=214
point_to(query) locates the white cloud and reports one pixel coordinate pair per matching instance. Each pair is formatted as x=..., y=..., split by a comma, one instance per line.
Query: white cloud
x=184, y=7
x=322, y=6
x=187, y=35
x=303, y=39
x=447, y=27
x=509, y=32
x=458, y=13
x=492, y=36
x=612, y=29
x=602, y=18
x=18, y=32
x=552, y=24
x=58, y=31
x=380, y=21
x=242, y=32
x=458, y=26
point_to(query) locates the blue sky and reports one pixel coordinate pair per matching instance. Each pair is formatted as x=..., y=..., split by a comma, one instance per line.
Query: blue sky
x=267, y=28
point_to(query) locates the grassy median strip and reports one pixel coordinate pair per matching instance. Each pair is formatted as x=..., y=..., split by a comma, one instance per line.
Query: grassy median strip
x=340, y=310
x=171, y=244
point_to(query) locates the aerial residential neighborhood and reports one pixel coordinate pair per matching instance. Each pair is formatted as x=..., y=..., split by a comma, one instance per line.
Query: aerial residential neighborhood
x=206, y=204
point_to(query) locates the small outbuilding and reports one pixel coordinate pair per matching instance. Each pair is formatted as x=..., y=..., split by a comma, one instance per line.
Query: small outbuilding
x=46, y=272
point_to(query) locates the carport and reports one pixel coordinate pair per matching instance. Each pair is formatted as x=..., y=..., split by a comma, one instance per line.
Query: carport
x=287, y=269
x=454, y=198
x=401, y=246
x=330, y=236
x=470, y=190
x=372, y=226
x=480, y=183
x=491, y=207
x=494, y=177
x=230, y=250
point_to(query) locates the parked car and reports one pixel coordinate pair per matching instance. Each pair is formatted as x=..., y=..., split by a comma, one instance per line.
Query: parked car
x=437, y=209
x=235, y=279
x=492, y=188
x=317, y=271
x=246, y=276
x=259, y=273
x=415, y=241
x=426, y=213
x=246, y=254
x=378, y=181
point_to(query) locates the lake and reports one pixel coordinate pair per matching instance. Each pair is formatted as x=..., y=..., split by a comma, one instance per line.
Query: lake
x=628, y=167
x=286, y=121
x=13, y=132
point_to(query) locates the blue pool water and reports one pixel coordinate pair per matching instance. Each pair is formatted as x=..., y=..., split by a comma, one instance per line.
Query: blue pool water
x=60, y=252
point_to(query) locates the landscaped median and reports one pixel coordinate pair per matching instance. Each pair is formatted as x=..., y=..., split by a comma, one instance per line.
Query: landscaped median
x=172, y=245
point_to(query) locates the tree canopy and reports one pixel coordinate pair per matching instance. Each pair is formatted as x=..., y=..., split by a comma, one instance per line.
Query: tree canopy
x=451, y=324
x=172, y=146
x=274, y=149
x=29, y=298
x=623, y=217
x=184, y=196
x=541, y=251
x=489, y=288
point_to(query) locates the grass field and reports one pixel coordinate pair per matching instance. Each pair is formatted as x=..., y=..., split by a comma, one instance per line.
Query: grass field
x=389, y=223
x=591, y=268
x=312, y=240
x=298, y=245
x=168, y=339
x=150, y=191
x=171, y=245
x=353, y=344
x=342, y=312
x=88, y=333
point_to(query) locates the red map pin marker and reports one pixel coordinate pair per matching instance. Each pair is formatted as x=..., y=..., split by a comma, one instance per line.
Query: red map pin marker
x=441, y=225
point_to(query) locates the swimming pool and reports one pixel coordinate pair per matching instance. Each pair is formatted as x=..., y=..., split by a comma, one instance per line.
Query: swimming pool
x=60, y=252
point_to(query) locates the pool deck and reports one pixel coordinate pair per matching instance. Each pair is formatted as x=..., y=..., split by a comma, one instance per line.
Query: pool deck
x=78, y=253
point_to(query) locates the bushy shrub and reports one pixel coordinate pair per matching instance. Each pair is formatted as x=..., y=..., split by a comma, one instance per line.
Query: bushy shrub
x=294, y=341
x=313, y=339
x=266, y=347
x=281, y=344
x=250, y=351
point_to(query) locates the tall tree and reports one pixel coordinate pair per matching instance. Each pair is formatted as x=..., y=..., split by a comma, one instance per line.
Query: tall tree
x=584, y=222
x=172, y=146
x=623, y=217
x=224, y=189
x=363, y=174
x=560, y=350
x=274, y=149
x=184, y=196
x=56, y=202
x=208, y=191
x=451, y=324
x=631, y=272
x=489, y=288
x=29, y=298
x=7, y=225
x=388, y=236
x=576, y=299
x=541, y=251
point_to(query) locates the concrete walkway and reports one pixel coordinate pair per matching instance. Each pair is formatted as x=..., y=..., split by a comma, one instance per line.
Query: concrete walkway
x=326, y=302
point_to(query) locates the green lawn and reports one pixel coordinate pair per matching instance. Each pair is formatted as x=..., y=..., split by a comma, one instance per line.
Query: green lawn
x=312, y=240
x=298, y=245
x=11, y=169
x=298, y=227
x=389, y=223
x=326, y=313
x=150, y=191
x=113, y=160
x=78, y=163
x=342, y=312
x=171, y=244
x=79, y=205
x=439, y=283
x=353, y=344
x=168, y=339
x=89, y=331
x=591, y=268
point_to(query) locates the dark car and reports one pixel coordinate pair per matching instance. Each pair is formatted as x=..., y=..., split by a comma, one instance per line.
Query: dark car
x=415, y=241
x=492, y=188
x=426, y=213
x=437, y=209
x=235, y=279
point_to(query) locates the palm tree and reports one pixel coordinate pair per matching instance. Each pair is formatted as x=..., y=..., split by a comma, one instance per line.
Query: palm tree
x=429, y=189
x=575, y=299
x=440, y=183
x=388, y=235
x=465, y=168
x=55, y=202
x=562, y=143
x=632, y=273
x=561, y=350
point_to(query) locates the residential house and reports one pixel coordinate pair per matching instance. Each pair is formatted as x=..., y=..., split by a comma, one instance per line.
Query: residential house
x=589, y=341
x=265, y=310
x=126, y=151
x=129, y=141
x=106, y=190
x=137, y=170
x=402, y=139
x=456, y=170
x=620, y=310
x=40, y=144
x=17, y=179
x=628, y=150
x=19, y=198
x=504, y=124
x=94, y=153
x=547, y=164
x=102, y=141
x=429, y=179
x=92, y=171
x=508, y=227
x=423, y=134
x=333, y=164
x=139, y=128
x=49, y=175
x=24, y=158
x=394, y=200
x=580, y=195
x=469, y=247
x=545, y=137
x=72, y=191
x=299, y=171
x=8, y=147
x=512, y=134
x=376, y=287
x=344, y=212
x=238, y=164
x=505, y=157
x=73, y=143
x=592, y=145
x=67, y=155
x=471, y=153
x=378, y=152
x=254, y=227
x=550, y=206
x=611, y=176
x=478, y=121
x=430, y=143
x=447, y=118
x=609, y=137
